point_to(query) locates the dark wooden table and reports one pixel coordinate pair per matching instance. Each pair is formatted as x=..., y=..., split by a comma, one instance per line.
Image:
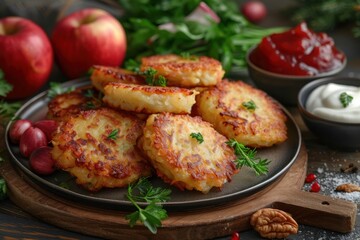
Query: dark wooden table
x=323, y=161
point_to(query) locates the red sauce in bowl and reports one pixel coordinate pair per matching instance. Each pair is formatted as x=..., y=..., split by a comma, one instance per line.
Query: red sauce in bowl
x=298, y=51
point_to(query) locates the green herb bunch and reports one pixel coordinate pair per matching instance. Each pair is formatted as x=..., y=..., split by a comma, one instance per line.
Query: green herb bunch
x=227, y=41
x=326, y=15
x=152, y=215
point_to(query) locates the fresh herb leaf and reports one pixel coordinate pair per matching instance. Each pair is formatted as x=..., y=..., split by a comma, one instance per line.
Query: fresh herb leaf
x=57, y=89
x=8, y=110
x=160, y=81
x=5, y=87
x=345, y=99
x=113, y=135
x=152, y=215
x=132, y=65
x=89, y=93
x=152, y=79
x=228, y=41
x=90, y=105
x=250, y=105
x=247, y=157
x=188, y=56
x=3, y=189
x=198, y=136
x=93, y=100
x=64, y=185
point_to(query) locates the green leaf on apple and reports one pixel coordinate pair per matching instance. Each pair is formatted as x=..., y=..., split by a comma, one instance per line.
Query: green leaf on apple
x=5, y=87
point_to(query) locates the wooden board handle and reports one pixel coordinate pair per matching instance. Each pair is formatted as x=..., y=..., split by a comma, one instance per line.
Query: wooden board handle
x=320, y=211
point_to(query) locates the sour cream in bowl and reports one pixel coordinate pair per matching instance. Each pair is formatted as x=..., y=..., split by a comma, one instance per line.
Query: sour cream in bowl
x=335, y=102
x=330, y=108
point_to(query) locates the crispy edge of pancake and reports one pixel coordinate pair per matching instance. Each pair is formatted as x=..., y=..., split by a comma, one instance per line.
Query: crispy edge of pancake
x=149, y=99
x=102, y=75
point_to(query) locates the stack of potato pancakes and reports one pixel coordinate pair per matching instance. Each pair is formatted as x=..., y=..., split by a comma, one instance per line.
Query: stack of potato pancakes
x=172, y=118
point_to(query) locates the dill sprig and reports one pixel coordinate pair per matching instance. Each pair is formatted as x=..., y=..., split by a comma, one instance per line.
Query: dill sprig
x=247, y=157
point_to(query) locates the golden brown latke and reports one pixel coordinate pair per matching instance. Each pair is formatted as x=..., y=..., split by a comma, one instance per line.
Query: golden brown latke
x=98, y=147
x=102, y=75
x=73, y=102
x=185, y=72
x=223, y=107
x=180, y=159
x=149, y=99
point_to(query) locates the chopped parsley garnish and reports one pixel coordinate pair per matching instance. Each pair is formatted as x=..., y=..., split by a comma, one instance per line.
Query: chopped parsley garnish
x=152, y=215
x=250, y=105
x=113, y=135
x=345, y=99
x=152, y=79
x=198, y=136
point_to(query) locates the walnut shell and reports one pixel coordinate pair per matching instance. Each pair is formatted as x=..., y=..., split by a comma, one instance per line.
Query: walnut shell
x=273, y=223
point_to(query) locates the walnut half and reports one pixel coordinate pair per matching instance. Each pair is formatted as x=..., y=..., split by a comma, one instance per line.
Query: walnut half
x=273, y=223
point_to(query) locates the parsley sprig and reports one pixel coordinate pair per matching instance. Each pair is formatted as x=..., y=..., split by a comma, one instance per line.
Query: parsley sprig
x=5, y=87
x=8, y=110
x=250, y=105
x=152, y=79
x=114, y=134
x=345, y=99
x=152, y=215
x=247, y=157
x=198, y=136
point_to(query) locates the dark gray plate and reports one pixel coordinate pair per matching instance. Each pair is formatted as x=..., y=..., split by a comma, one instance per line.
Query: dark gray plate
x=243, y=184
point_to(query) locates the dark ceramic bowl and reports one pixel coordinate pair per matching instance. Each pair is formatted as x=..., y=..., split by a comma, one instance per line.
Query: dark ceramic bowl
x=283, y=88
x=340, y=136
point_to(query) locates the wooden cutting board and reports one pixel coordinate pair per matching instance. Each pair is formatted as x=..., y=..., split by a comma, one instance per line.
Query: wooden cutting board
x=307, y=208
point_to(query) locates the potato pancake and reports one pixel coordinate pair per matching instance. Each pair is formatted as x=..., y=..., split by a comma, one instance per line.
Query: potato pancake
x=98, y=147
x=185, y=72
x=102, y=75
x=149, y=99
x=73, y=102
x=181, y=159
x=240, y=111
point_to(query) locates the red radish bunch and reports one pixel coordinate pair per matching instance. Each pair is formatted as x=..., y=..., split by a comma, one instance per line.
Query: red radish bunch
x=254, y=11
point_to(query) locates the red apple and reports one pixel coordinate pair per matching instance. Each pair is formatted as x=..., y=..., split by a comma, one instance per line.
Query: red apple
x=88, y=37
x=26, y=56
